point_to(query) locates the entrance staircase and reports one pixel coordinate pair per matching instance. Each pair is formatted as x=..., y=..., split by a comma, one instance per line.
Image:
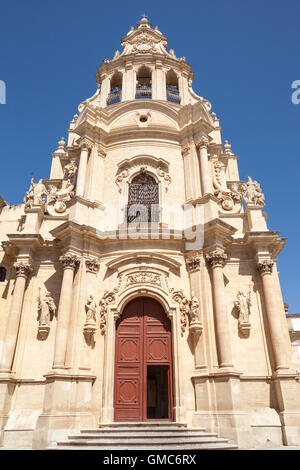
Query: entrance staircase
x=144, y=436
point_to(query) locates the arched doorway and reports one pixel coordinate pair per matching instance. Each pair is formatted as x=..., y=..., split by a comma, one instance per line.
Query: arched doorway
x=143, y=363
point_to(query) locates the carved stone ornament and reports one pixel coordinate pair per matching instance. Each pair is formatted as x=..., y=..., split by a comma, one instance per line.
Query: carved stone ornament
x=143, y=165
x=193, y=263
x=229, y=198
x=46, y=312
x=242, y=305
x=119, y=179
x=92, y=265
x=143, y=278
x=167, y=178
x=265, y=266
x=253, y=193
x=23, y=269
x=108, y=298
x=216, y=258
x=179, y=297
x=203, y=142
x=189, y=312
x=195, y=323
x=69, y=260
x=90, y=320
x=36, y=194
x=57, y=198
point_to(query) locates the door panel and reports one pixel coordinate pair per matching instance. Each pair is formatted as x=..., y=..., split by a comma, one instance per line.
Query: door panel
x=143, y=338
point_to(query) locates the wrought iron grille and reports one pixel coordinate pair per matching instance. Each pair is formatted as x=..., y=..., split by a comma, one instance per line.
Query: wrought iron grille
x=143, y=201
x=143, y=92
x=115, y=96
x=173, y=94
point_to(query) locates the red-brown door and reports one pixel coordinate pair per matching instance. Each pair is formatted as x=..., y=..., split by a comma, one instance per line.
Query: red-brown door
x=143, y=363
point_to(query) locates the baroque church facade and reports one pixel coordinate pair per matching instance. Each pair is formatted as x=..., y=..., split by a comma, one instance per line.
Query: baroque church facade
x=139, y=283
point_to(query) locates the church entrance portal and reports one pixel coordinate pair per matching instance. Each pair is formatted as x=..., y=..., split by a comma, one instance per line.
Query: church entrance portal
x=143, y=363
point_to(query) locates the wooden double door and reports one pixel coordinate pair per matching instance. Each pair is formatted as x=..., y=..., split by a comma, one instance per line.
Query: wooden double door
x=143, y=388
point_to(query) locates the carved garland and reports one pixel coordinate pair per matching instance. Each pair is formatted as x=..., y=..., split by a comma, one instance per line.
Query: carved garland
x=108, y=298
x=189, y=312
x=143, y=167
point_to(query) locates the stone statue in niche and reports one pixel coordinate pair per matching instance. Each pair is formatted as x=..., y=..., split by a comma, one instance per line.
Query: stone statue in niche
x=46, y=312
x=242, y=305
x=90, y=320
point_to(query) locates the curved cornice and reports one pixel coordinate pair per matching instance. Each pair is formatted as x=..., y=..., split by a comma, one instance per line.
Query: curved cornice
x=143, y=256
x=145, y=158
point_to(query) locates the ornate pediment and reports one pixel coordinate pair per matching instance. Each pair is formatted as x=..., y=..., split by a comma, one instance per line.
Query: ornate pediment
x=144, y=40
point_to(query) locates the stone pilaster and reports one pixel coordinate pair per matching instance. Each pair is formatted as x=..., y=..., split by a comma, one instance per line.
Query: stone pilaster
x=81, y=177
x=205, y=171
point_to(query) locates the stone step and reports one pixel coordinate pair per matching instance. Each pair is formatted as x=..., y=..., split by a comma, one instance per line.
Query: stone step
x=143, y=424
x=148, y=430
x=214, y=445
x=145, y=434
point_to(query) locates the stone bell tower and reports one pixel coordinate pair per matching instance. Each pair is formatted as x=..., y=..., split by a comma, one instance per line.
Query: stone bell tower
x=139, y=282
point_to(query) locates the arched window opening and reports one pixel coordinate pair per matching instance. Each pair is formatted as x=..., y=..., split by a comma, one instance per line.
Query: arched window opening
x=2, y=274
x=172, y=87
x=143, y=199
x=143, y=83
x=115, y=94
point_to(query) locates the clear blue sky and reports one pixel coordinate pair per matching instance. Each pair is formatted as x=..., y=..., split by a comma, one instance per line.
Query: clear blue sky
x=245, y=55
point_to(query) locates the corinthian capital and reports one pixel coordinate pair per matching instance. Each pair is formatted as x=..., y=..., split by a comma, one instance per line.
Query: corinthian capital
x=22, y=268
x=92, y=265
x=216, y=258
x=203, y=142
x=265, y=266
x=193, y=263
x=69, y=260
x=86, y=144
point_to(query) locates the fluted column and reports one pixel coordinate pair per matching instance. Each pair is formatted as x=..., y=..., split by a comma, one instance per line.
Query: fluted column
x=70, y=262
x=23, y=270
x=82, y=170
x=265, y=269
x=216, y=260
x=204, y=166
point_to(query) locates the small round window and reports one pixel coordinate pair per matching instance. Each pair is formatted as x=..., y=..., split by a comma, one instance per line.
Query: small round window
x=143, y=119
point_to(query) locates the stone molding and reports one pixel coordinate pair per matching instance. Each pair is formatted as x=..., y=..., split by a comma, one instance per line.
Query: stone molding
x=216, y=258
